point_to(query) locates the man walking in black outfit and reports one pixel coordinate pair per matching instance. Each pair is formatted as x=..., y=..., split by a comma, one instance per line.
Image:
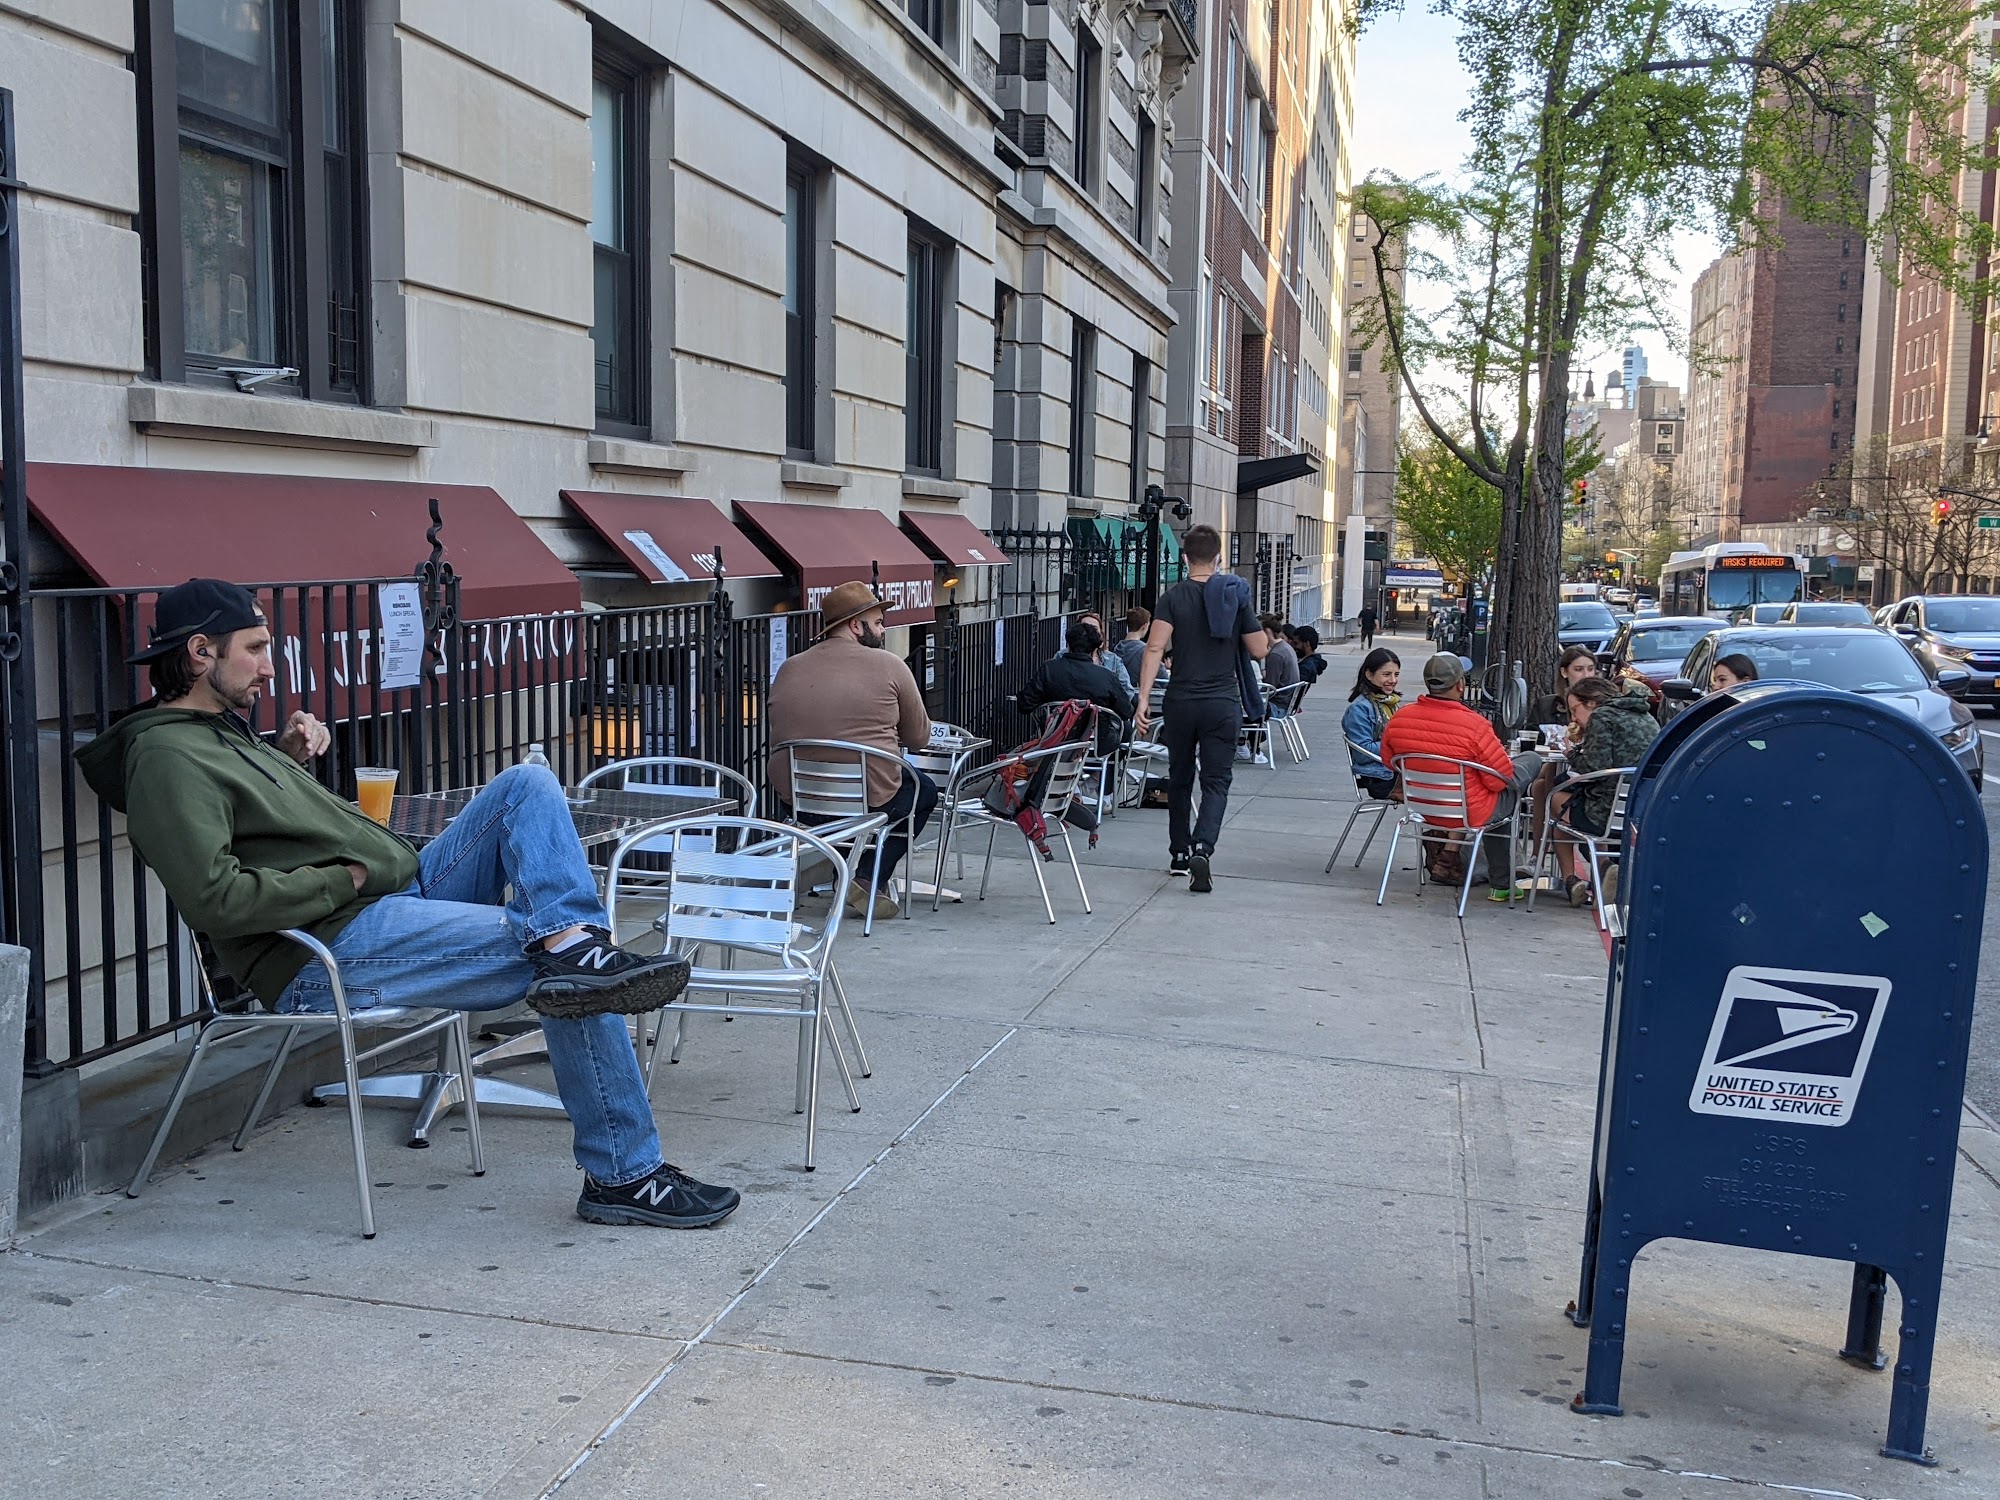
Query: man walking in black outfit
x=1207, y=620
x=1366, y=620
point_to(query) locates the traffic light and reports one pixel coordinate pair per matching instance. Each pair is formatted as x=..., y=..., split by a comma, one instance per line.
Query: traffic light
x=1582, y=493
x=1940, y=511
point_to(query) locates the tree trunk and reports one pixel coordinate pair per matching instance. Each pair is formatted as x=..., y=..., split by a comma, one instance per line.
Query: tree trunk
x=1534, y=568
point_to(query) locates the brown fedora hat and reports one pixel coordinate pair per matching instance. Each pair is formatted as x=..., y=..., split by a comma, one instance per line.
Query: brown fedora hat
x=844, y=602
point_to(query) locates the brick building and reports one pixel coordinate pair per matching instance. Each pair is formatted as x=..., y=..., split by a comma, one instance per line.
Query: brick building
x=1776, y=330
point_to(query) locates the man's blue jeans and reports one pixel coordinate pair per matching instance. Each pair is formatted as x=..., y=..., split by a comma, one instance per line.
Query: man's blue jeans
x=449, y=941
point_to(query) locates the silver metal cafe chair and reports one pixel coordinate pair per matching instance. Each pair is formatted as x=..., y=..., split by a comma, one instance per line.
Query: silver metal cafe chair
x=1435, y=800
x=1600, y=849
x=1365, y=806
x=666, y=777
x=1063, y=782
x=733, y=889
x=829, y=780
x=1287, y=722
x=218, y=1027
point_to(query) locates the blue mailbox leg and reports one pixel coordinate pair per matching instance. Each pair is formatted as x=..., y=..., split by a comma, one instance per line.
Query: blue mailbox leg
x=1579, y=1310
x=1864, y=1318
x=1910, y=1399
x=1609, y=1298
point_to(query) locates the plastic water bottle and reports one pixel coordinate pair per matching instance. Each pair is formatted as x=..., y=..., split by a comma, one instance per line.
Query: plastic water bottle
x=536, y=757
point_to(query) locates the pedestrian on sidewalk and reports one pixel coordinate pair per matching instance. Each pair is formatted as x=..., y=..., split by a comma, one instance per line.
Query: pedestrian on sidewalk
x=1366, y=619
x=1207, y=621
x=499, y=908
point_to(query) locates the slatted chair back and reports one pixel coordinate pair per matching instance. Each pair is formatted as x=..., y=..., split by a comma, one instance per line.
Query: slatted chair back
x=1434, y=789
x=735, y=884
x=830, y=777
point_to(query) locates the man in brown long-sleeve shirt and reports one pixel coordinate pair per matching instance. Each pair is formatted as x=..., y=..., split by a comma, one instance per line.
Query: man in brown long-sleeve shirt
x=848, y=688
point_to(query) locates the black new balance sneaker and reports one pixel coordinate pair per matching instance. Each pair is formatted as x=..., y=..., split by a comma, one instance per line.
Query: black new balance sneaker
x=1177, y=863
x=595, y=977
x=668, y=1199
x=1198, y=873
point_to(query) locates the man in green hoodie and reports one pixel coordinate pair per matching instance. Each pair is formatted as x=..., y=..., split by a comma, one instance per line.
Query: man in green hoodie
x=248, y=844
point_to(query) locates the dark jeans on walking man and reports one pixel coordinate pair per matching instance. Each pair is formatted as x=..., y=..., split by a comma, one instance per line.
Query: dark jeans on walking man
x=1200, y=734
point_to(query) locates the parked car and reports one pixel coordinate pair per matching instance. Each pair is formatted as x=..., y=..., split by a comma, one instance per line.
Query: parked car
x=1585, y=622
x=1955, y=630
x=1860, y=658
x=1825, y=612
x=1652, y=648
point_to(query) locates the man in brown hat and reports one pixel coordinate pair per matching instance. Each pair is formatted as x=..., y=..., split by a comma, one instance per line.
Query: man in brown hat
x=848, y=688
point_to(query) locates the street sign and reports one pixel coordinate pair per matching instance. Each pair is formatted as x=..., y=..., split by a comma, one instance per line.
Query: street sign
x=1989, y=523
x=1784, y=1058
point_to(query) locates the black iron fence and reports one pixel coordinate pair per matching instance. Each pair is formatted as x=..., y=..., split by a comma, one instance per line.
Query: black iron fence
x=1101, y=566
x=1265, y=559
x=587, y=688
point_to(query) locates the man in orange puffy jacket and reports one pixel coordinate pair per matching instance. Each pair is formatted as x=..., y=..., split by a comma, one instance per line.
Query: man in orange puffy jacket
x=1439, y=724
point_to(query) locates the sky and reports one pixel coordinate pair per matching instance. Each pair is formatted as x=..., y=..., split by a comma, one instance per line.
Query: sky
x=1409, y=89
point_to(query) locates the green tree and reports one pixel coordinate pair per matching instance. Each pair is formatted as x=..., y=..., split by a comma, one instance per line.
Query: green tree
x=1447, y=512
x=1599, y=129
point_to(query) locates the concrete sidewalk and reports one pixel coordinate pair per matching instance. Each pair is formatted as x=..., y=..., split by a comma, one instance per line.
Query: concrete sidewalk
x=1270, y=1192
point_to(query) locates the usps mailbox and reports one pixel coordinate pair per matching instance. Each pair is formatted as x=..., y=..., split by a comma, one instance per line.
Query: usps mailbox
x=1789, y=1008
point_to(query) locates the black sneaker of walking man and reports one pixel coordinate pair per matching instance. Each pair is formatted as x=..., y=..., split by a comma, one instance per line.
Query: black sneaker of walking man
x=667, y=1199
x=1198, y=872
x=591, y=975
x=1177, y=862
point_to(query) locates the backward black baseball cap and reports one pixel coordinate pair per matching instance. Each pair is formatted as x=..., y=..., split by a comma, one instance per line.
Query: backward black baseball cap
x=201, y=606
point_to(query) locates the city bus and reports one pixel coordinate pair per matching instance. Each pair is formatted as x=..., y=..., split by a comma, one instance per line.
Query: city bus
x=1729, y=579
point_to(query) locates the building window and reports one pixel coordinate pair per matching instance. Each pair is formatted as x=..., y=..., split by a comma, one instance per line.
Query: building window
x=1354, y=361
x=930, y=16
x=1082, y=407
x=802, y=182
x=1142, y=425
x=1149, y=175
x=1089, y=61
x=617, y=234
x=1232, y=80
x=923, y=353
x=253, y=192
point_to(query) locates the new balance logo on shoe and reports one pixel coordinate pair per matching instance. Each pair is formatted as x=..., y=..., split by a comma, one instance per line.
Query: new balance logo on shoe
x=653, y=1191
x=597, y=957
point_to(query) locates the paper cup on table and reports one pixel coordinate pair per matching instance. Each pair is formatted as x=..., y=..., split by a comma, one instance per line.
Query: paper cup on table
x=375, y=791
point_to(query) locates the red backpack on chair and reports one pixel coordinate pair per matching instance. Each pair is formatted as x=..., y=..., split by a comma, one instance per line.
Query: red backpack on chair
x=1017, y=786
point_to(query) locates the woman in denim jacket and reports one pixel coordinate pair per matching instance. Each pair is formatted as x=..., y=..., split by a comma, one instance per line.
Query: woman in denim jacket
x=1369, y=705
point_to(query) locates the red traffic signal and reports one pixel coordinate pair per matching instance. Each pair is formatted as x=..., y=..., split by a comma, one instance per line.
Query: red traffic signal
x=1582, y=493
x=1940, y=511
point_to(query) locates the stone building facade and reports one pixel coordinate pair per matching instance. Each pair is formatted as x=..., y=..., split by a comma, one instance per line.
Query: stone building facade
x=841, y=254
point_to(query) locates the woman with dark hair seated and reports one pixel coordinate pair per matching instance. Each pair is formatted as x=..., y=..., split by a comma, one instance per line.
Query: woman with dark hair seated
x=1613, y=728
x=1575, y=664
x=1731, y=671
x=1369, y=704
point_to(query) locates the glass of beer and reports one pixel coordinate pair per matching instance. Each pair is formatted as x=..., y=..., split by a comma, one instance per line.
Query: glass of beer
x=375, y=790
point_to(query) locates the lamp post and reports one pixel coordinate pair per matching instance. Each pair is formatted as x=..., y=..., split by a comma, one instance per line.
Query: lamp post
x=1151, y=504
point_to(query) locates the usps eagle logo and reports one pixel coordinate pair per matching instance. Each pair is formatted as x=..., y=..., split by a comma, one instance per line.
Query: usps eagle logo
x=1790, y=1046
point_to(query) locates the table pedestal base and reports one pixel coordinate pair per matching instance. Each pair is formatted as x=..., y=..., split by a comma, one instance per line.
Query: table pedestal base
x=437, y=1092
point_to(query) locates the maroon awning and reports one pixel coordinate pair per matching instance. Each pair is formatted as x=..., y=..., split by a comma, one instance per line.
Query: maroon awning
x=136, y=528
x=684, y=531
x=950, y=538
x=828, y=546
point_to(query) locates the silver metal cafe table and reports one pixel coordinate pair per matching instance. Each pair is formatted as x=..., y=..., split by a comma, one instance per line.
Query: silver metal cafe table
x=602, y=816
